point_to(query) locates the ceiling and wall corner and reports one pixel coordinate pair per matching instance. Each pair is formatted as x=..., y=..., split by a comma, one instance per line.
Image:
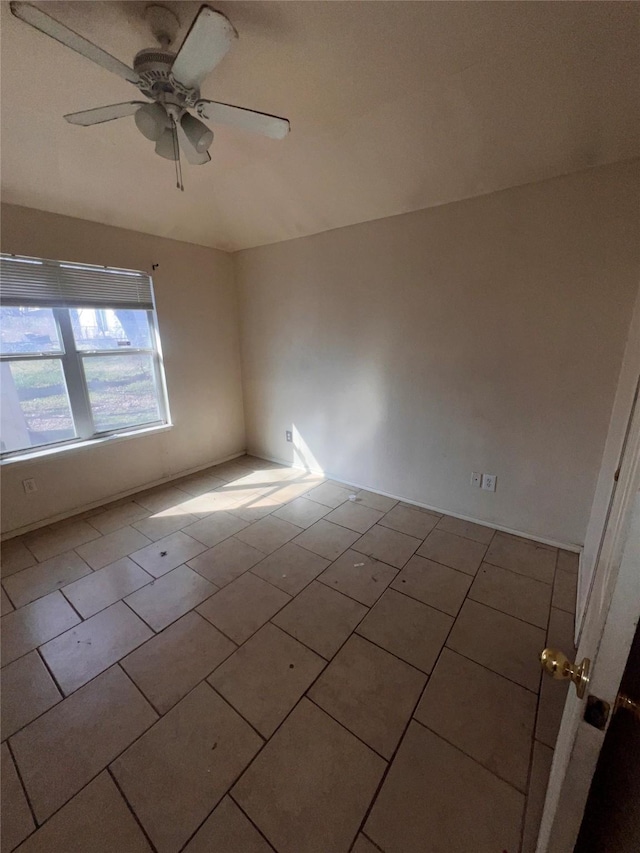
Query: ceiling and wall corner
x=395, y=107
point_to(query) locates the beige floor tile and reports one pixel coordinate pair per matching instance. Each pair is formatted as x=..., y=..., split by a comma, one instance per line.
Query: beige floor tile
x=359, y=577
x=540, y=769
x=302, y=512
x=407, y=628
x=434, y=584
x=243, y=606
x=266, y=676
x=459, y=553
x=311, y=785
x=31, y=626
x=329, y=494
x=410, y=521
x=27, y=691
x=290, y=568
x=486, y=716
x=161, y=498
x=483, y=634
x=560, y=633
x=517, y=595
x=118, y=516
x=226, y=561
x=436, y=798
x=177, y=772
x=375, y=501
x=553, y=695
x=56, y=539
x=17, y=821
x=167, y=667
x=162, y=602
x=65, y=748
x=199, y=484
x=370, y=692
x=163, y=524
x=523, y=556
x=256, y=511
x=468, y=529
x=210, y=503
x=96, y=591
x=387, y=545
x=269, y=534
x=112, y=547
x=7, y=606
x=15, y=556
x=355, y=517
x=168, y=553
x=320, y=618
x=83, y=652
x=565, y=591
x=215, y=528
x=230, y=471
x=568, y=561
x=36, y=581
x=96, y=820
x=227, y=830
x=326, y=539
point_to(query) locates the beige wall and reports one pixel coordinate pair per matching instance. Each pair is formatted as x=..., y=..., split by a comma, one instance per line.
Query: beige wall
x=485, y=335
x=197, y=315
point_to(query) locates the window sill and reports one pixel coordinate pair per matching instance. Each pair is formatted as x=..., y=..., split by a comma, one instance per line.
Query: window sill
x=76, y=446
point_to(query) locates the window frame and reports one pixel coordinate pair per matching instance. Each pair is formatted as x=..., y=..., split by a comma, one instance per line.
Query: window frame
x=72, y=364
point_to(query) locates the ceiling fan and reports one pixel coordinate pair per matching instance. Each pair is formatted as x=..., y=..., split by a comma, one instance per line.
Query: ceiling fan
x=170, y=80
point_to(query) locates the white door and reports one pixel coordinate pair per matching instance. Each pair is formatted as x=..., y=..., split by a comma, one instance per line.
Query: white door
x=611, y=614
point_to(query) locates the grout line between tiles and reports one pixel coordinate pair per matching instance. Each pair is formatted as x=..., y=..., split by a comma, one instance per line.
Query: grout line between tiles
x=373, y=843
x=519, y=574
x=254, y=825
x=471, y=758
x=504, y=612
x=112, y=776
x=342, y=725
x=22, y=784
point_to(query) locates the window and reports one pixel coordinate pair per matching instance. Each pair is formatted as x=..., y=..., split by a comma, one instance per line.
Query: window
x=79, y=353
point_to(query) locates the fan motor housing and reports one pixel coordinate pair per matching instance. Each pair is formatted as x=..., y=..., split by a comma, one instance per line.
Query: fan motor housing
x=153, y=66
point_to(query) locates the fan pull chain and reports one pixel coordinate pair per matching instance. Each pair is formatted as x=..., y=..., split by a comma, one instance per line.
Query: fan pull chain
x=176, y=155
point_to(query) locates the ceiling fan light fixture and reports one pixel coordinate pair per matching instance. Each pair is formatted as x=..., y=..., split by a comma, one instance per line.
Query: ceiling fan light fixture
x=198, y=134
x=165, y=146
x=152, y=121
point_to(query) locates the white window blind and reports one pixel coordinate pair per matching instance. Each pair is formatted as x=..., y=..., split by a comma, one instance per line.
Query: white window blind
x=43, y=283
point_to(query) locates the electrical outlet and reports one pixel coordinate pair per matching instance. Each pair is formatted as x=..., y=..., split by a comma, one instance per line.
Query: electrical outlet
x=29, y=486
x=489, y=482
x=289, y=435
x=476, y=479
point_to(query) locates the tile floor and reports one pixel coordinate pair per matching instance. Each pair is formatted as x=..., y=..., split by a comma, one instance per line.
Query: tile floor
x=247, y=661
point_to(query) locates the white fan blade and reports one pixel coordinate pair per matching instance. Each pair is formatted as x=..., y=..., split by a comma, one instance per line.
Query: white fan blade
x=194, y=157
x=206, y=43
x=100, y=114
x=50, y=27
x=267, y=125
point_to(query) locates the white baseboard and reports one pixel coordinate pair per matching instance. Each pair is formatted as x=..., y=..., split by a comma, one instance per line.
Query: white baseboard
x=566, y=546
x=53, y=519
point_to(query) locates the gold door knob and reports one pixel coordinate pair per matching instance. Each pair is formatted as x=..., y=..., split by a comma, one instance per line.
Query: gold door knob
x=557, y=665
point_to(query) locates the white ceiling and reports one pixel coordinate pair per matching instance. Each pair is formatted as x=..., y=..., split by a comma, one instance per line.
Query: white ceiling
x=394, y=107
